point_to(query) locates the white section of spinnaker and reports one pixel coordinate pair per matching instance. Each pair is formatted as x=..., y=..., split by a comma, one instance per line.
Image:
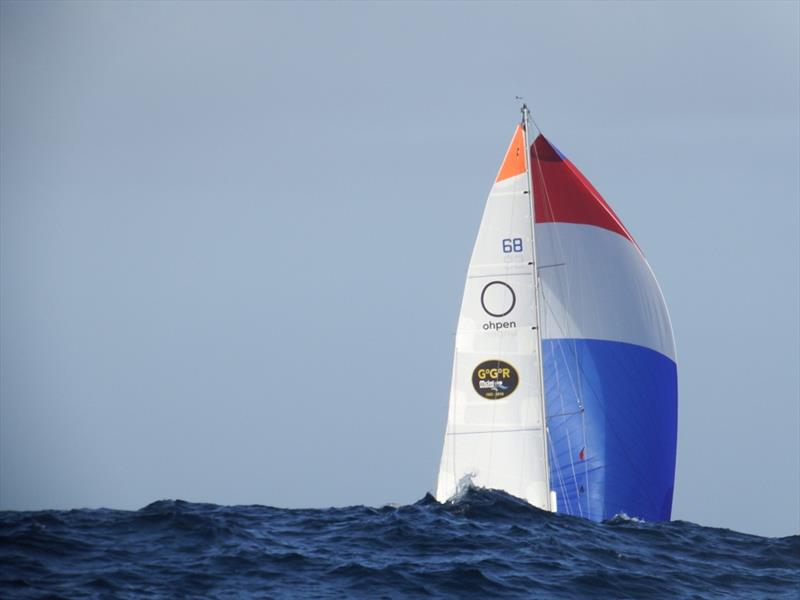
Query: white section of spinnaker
x=600, y=287
x=499, y=443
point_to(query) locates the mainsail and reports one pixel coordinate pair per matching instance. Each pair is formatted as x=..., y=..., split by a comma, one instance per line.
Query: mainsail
x=495, y=428
x=599, y=370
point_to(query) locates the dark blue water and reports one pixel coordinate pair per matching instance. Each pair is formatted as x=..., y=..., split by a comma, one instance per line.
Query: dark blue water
x=486, y=544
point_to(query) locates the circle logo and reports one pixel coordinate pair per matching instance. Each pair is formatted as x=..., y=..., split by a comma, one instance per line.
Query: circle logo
x=495, y=379
x=498, y=298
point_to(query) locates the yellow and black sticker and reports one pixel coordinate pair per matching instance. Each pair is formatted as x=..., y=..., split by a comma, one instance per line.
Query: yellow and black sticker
x=495, y=379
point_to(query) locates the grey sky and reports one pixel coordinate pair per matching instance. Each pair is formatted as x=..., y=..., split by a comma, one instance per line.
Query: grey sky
x=234, y=237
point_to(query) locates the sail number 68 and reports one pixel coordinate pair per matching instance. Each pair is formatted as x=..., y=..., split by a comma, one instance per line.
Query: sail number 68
x=512, y=245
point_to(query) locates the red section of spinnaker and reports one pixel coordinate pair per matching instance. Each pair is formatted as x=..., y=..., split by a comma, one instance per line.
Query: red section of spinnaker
x=563, y=195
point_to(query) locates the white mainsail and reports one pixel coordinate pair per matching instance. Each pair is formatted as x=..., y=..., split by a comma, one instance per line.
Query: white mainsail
x=495, y=429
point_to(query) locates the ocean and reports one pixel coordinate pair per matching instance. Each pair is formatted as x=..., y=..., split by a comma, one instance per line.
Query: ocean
x=486, y=544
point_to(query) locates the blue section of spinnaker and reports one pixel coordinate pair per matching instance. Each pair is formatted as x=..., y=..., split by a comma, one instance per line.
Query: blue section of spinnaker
x=612, y=419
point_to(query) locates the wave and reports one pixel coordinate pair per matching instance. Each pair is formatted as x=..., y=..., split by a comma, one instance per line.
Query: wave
x=482, y=543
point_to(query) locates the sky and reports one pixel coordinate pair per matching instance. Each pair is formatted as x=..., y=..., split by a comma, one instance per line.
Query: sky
x=233, y=237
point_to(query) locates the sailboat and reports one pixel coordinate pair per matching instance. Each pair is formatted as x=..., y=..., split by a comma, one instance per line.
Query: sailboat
x=564, y=385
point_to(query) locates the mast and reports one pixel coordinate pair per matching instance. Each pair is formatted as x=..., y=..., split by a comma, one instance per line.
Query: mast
x=526, y=119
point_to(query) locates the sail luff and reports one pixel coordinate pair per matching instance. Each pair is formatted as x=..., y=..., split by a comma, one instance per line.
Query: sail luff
x=537, y=309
